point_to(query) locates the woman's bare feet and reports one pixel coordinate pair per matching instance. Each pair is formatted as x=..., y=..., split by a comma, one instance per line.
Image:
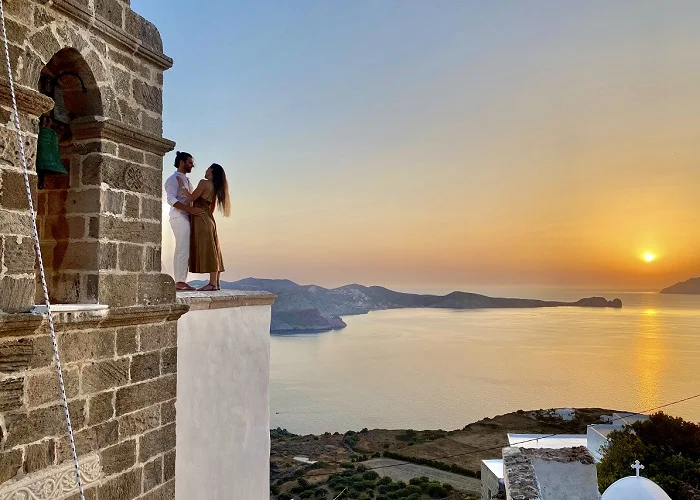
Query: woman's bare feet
x=181, y=285
x=207, y=288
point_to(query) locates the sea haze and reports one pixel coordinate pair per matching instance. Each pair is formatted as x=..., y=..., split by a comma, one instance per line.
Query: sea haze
x=434, y=368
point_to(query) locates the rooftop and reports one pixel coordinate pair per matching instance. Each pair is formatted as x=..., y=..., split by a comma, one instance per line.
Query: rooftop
x=547, y=440
x=495, y=465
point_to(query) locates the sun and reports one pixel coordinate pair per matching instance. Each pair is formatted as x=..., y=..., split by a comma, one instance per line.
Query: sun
x=649, y=257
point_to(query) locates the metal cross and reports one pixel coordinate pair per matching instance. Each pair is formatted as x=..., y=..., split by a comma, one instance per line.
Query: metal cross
x=636, y=465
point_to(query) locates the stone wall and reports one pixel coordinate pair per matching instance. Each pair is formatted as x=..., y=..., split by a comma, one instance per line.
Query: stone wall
x=119, y=369
x=100, y=230
x=100, y=226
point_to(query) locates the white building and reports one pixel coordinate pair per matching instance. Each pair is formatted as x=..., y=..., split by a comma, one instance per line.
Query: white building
x=223, y=412
x=492, y=484
x=493, y=472
x=550, y=474
x=566, y=414
x=556, y=441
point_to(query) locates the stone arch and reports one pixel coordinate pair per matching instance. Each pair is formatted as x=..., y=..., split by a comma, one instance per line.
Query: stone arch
x=80, y=101
x=65, y=203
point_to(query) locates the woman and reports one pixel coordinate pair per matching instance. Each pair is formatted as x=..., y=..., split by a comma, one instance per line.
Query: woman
x=205, y=254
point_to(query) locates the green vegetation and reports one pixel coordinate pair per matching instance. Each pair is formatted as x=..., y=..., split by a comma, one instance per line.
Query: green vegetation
x=434, y=463
x=362, y=484
x=669, y=449
x=415, y=437
x=280, y=433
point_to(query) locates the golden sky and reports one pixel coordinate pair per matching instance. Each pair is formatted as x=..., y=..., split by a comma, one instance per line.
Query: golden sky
x=399, y=142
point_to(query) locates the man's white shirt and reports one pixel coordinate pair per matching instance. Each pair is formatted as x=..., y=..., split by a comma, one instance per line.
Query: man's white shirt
x=173, y=194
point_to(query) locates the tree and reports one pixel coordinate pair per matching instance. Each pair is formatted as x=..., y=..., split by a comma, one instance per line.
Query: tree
x=668, y=447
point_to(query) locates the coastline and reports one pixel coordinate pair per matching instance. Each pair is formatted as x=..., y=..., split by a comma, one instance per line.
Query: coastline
x=336, y=322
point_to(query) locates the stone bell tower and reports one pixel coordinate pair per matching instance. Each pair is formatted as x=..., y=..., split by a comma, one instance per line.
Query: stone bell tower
x=92, y=71
x=99, y=224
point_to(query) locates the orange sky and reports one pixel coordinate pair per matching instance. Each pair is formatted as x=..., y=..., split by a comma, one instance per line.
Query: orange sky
x=551, y=147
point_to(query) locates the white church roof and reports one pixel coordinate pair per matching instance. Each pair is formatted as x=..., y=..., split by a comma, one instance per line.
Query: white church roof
x=634, y=488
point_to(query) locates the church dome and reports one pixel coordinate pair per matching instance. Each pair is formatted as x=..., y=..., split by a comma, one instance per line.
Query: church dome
x=634, y=488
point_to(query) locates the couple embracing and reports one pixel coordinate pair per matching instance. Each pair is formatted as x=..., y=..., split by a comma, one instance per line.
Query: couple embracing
x=192, y=220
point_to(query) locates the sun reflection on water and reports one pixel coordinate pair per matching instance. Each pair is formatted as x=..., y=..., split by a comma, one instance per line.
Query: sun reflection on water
x=650, y=355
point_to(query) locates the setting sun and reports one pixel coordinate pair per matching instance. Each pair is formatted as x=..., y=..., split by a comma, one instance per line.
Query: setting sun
x=649, y=257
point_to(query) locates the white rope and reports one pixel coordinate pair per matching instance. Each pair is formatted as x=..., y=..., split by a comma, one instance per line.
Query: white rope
x=38, y=254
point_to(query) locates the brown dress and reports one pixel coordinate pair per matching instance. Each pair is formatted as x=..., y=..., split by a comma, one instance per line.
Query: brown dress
x=205, y=254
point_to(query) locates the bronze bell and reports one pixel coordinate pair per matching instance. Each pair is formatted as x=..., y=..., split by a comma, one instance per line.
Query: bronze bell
x=48, y=156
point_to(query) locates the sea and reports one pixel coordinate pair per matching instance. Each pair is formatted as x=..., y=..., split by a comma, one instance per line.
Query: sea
x=442, y=369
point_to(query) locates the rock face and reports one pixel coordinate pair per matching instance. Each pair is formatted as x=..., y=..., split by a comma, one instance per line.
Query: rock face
x=599, y=302
x=690, y=287
x=308, y=320
x=310, y=308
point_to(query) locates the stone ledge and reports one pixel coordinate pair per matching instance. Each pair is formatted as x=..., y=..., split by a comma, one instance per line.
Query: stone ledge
x=221, y=299
x=105, y=128
x=28, y=100
x=73, y=313
x=24, y=324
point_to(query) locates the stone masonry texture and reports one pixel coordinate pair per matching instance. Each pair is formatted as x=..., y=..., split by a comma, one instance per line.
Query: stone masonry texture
x=99, y=229
x=99, y=225
x=121, y=381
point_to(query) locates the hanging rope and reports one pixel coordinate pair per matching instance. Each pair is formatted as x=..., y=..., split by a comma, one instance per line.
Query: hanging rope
x=38, y=253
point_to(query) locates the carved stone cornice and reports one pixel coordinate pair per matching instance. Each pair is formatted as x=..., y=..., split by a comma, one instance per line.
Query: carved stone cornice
x=28, y=100
x=25, y=324
x=115, y=35
x=98, y=127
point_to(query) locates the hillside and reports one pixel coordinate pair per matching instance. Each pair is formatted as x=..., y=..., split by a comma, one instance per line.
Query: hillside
x=310, y=308
x=690, y=287
x=458, y=451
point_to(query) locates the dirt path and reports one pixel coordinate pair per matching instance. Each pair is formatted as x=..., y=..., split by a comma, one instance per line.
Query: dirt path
x=408, y=471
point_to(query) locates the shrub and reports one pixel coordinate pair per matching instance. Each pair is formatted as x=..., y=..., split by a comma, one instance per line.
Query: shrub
x=668, y=447
x=370, y=475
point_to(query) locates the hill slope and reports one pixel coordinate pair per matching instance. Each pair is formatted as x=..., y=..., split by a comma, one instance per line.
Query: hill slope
x=308, y=308
x=690, y=287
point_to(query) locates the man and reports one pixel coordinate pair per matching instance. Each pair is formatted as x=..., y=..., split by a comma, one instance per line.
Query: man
x=180, y=212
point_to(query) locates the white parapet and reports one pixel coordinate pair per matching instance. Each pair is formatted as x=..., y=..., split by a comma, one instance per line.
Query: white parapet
x=223, y=417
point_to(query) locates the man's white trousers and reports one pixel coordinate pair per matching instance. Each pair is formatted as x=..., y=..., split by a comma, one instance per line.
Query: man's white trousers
x=181, y=230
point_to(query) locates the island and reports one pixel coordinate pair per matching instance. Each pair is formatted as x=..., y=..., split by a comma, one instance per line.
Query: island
x=688, y=287
x=312, y=308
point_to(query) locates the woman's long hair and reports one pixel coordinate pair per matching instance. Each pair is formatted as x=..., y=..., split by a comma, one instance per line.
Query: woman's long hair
x=221, y=188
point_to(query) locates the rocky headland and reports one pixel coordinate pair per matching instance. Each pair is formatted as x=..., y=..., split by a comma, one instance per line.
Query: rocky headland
x=311, y=308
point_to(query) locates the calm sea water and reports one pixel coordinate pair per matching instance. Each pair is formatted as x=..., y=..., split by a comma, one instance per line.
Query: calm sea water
x=430, y=369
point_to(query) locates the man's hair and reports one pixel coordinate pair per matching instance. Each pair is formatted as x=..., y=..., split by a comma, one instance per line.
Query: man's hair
x=181, y=156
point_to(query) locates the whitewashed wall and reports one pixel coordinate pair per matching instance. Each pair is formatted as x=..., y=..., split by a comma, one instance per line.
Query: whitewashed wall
x=223, y=417
x=571, y=481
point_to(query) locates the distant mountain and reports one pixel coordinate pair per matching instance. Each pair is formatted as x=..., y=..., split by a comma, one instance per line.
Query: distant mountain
x=306, y=308
x=690, y=287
